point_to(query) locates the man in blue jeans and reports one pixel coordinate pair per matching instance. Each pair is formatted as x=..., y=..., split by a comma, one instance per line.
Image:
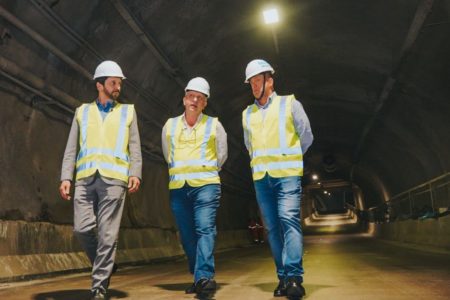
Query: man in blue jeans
x=277, y=133
x=195, y=148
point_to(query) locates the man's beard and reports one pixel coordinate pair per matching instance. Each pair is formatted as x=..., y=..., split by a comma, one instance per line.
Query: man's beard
x=113, y=96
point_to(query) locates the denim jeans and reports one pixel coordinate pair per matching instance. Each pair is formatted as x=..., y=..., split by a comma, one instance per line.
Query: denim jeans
x=195, y=210
x=279, y=202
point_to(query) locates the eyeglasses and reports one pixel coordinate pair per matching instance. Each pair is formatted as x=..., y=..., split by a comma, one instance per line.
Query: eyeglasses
x=192, y=97
x=186, y=140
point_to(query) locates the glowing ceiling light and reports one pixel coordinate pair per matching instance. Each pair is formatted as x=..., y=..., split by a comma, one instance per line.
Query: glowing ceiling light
x=315, y=177
x=271, y=16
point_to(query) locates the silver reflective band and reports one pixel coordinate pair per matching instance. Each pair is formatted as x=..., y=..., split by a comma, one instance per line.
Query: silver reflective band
x=121, y=136
x=276, y=151
x=103, y=165
x=278, y=166
x=206, y=137
x=199, y=175
x=194, y=162
x=172, y=137
x=85, y=152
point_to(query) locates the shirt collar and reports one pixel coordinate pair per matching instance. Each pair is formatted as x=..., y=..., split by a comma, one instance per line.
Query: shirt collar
x=185, y=124
x=107, y=107
x=273, y=95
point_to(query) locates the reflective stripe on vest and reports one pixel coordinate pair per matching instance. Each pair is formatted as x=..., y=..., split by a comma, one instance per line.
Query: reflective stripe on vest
x=199, y=169
x=284, y=160
x=111, y=161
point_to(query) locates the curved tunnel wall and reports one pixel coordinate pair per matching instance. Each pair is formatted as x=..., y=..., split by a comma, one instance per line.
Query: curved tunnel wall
x=407, y=145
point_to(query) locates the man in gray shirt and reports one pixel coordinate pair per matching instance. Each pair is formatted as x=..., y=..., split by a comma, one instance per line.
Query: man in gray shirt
x=108, y=162
x=195, y=148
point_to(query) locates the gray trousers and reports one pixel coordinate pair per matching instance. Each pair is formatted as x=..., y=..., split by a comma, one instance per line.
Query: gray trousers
x=99, y=205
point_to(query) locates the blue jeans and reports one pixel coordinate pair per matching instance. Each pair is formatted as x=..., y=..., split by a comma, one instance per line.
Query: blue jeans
x=279, y=202
x=195, y=210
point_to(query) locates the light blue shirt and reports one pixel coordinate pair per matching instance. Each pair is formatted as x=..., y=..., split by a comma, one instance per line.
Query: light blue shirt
x=301, y=122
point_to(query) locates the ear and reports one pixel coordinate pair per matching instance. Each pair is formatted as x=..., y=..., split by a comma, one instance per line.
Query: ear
x=270, y=82
x=206, y=103
x=99, y=86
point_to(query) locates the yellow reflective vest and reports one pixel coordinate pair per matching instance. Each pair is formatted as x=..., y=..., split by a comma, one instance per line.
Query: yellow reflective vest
x=104, y=143
x=192, y=157
x=275, y=146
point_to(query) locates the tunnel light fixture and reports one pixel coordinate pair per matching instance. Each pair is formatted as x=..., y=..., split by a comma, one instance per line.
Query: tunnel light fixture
x=325, y=192
x=314, y=177
x=271, y=16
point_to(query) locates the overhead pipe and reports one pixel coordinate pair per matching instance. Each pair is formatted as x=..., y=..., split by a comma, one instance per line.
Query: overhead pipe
x=42, y=41
x=155, y=49
x=148, y=41
x=37, y=85
x=80, y=41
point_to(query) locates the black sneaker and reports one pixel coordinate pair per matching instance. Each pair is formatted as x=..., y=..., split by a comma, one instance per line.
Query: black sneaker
x=98, y=295
x=205, y=285
x=190, y=289
x=294, y=288
x=280, y=290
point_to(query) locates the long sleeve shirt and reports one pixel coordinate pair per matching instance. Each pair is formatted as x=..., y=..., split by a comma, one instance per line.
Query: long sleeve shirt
x=221, y=140
x=301, y=123
x=134, y=147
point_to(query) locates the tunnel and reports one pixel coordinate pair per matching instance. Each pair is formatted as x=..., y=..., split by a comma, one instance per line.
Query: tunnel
x=372, y=76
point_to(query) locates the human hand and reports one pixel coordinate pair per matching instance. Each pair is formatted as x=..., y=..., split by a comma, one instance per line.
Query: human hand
x=64, y=189
x=133, y=184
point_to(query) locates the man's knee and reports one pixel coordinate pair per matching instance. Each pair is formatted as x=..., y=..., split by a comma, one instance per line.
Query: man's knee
x=83, y=232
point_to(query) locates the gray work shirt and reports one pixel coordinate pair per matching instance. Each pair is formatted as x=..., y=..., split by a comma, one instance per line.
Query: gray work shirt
x=301, y=123
x=134, y=147
x=221, y=140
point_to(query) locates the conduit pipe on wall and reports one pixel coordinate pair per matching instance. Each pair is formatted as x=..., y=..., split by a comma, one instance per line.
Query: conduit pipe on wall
x=175, y=72
x=49, y=46
x=149, y=42
x=37, y=85
x=42, y=41
x=47, y=12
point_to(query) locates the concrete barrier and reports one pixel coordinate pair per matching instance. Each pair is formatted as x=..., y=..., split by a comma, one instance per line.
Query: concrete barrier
x=429, y=232
x=34, y=249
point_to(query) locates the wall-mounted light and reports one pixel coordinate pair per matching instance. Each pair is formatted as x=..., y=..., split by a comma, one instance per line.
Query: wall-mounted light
x=314, y=177
x=271, y=16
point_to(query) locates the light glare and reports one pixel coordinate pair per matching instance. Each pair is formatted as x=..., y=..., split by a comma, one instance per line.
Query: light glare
x=271, y=16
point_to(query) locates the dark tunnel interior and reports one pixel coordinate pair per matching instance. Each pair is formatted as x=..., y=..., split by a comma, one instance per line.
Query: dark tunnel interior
x=372, y=76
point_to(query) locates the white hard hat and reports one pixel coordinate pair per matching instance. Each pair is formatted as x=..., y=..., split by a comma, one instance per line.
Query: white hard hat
x=108, y=68
x=198, y=84
x=257, y=66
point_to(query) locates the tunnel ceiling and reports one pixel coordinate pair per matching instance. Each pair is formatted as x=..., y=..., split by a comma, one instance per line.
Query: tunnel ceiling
x=372, y=75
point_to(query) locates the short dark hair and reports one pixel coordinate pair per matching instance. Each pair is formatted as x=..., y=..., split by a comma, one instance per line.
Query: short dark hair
x=101, y=80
